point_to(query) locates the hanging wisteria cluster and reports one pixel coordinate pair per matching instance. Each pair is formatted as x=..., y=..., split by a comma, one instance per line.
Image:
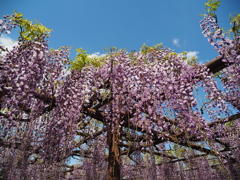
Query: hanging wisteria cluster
x=136, y=116
x=229, y=50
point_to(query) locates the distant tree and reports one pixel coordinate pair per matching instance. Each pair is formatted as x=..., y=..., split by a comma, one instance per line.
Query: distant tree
x=133, y=115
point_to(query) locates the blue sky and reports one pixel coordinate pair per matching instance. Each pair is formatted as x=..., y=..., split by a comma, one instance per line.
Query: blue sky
x=94, y=24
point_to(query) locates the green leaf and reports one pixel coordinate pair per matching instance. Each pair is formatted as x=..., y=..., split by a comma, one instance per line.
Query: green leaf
x=30, y=30
x=207, y=4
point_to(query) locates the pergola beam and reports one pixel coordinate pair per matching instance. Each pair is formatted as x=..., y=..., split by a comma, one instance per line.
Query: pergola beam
x=216, y=65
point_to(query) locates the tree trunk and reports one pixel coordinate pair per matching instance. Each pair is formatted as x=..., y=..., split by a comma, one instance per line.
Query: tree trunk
x=114, y=156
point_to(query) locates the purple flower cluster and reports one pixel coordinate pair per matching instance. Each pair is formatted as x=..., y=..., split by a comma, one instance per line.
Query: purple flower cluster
x=7, y=24
x=49, y=113
x=229, y=50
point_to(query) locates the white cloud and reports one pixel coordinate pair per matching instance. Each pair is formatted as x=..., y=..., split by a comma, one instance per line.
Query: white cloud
x=176, y=42
x=96, y=54
x=191, y=54
x=7, y=42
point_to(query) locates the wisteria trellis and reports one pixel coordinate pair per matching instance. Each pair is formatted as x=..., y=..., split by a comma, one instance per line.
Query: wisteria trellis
x=136, y=116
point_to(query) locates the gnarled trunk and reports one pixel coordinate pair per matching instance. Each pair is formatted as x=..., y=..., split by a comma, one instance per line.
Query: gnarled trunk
x=114, y=156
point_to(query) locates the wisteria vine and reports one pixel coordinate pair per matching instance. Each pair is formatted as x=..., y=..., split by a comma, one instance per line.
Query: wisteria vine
x=50, y=112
